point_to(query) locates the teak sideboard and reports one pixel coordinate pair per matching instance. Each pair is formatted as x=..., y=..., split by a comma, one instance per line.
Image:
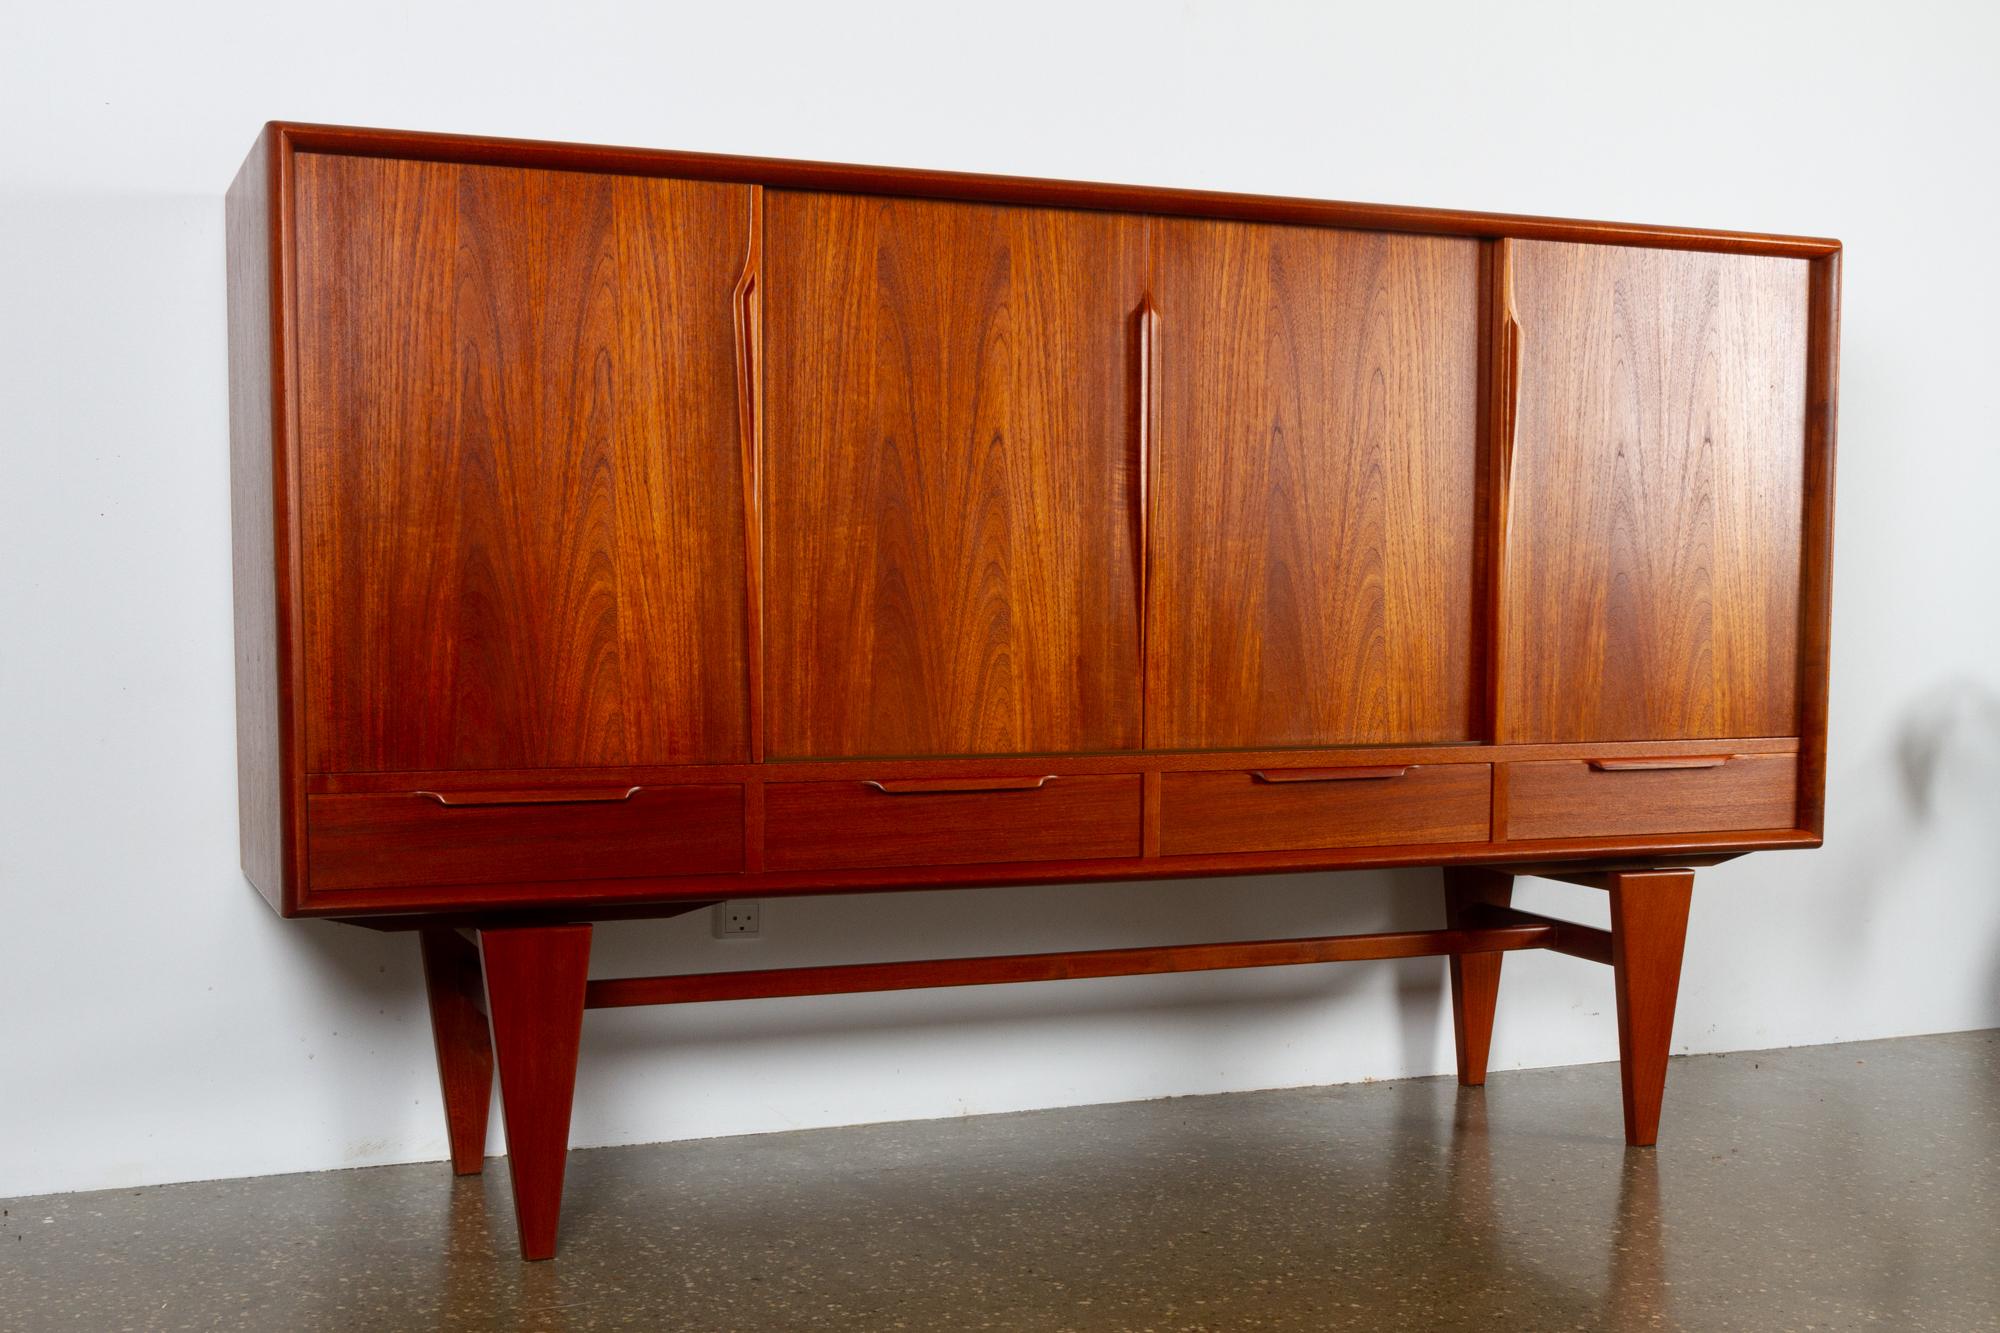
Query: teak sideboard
x=618, y=532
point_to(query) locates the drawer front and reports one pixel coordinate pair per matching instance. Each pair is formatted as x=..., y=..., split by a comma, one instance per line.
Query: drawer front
x=1300, y=809
x=1583, y=800
x=398, y=839
x=839, y=825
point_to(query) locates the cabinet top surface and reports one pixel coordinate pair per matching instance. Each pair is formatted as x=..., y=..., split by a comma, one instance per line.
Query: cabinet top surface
x=786, y=173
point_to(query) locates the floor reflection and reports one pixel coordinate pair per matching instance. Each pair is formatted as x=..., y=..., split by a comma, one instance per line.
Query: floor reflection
x=1828, y=1187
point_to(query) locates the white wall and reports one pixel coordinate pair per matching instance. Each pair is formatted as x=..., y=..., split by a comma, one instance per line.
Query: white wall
x=159, y=1023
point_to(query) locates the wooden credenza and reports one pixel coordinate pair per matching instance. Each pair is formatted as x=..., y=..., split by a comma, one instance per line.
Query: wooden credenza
x=619, y=532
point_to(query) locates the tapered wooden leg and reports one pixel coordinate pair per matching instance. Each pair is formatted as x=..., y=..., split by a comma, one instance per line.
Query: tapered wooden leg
x=1649, y=912
x=464, y=1049
x=1475, y=977
x=534, y=995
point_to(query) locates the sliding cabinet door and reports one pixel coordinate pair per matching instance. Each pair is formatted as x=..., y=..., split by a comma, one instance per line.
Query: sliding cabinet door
x=521, y=467
x=1317, y=528
x=951, y=556
x=1651, y=586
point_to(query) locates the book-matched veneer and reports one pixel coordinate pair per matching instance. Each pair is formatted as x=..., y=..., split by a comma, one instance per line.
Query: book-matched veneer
x=504, y=567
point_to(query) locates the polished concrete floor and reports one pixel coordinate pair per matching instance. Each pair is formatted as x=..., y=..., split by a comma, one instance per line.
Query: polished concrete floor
x=1834, y=1187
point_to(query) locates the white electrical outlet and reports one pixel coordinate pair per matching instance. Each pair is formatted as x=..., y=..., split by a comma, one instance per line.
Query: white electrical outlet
x=737, y=919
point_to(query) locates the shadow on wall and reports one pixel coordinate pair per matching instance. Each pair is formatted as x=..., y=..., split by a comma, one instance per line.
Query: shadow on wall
x=375, y=967
x=1948, y=756
x=1208, y=1014
x=1949, y=751
x=378, y=979
x=955, y=923
x=1895, y=927
x=1901, y=941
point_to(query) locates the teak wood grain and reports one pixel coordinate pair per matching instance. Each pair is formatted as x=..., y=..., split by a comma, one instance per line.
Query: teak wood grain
x=1573, y=799
x=849, y=178
x=455, y=986
x=269, y=363
x=950, y=476
x=829, y=825
x=1474, y=977
x=1816, y=598
x=978, y=768
x=395, y=838
x=855, y=978
x=1649, y=916
x=602, y=898
x=535, y=979
x=1238, y=812
x=1656, y=495
x=1315, y=524
x=1578, y=941
x=522, y=467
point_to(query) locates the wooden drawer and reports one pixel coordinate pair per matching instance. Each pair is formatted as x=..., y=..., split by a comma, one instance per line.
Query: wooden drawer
x=411, y=838
x=1602, y=798
x=1302, y=808
x=836, y=825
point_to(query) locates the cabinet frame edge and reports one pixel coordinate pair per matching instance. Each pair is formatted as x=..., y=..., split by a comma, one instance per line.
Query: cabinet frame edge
x=786, y=173
x=263, y=491
x=1815, y=634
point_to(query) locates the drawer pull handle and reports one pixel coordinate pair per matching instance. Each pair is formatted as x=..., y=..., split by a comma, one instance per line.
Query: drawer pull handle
x=1635, y=765
x=921, y=786
x=540, y=796
x=1330, y=774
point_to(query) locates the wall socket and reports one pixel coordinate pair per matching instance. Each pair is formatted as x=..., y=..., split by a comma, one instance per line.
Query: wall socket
x=737, y=919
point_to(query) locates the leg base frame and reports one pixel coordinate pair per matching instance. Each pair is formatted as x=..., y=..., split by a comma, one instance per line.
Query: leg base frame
x=514, y=1001
x=1649, y=913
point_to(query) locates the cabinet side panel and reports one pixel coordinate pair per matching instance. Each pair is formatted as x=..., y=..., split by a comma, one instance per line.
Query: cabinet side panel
x=1657, y=495
x=264, y=782
x=951, y=478
x=1816, y=610
x=1317, y=522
